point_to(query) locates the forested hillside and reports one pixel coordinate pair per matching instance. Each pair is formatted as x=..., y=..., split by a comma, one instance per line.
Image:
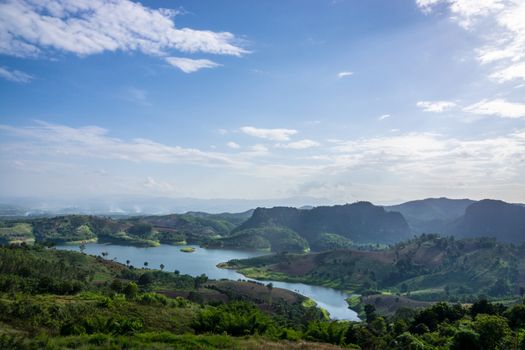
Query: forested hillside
x=142, y=231
x=323, y=227
x=429, y=267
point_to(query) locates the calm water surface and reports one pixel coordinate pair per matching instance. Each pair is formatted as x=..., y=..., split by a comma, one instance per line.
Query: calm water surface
x=205, y=260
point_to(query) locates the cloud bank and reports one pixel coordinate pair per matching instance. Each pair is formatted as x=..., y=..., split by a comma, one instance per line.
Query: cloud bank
x=31, y=28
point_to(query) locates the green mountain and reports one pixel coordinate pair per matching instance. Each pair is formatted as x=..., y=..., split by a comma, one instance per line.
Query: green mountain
x=429, y=267
x=491, y=218
x=273, y=238
x=360, y=222
x=431, y=215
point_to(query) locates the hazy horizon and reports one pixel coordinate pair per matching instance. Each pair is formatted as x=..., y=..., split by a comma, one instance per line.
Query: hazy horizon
x=338, y=100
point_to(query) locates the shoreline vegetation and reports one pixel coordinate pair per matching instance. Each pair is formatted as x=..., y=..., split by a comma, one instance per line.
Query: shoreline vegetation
x=417, y=272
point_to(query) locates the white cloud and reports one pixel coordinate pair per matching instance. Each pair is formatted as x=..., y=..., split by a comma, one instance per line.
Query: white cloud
x=436, y=106
x=84, y=27
x=384, y=116
x=497, y=107
x=465, y=12
x=270, y=134
x=497, y=22
x=511, y=72
x=426, y=5
x=258, y=149
x=188, y=65
x=301, y=144
x=344, y=74
x=94, y=142
x=136, y=95
x=398, y=160
x=233, y=145
x=431, y=157
x=154, y=185
x=15, y=75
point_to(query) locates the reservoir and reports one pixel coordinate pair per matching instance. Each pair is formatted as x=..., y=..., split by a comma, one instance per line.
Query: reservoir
x=204, y=260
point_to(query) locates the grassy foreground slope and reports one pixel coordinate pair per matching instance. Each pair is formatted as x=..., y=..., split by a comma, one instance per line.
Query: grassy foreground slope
x=62, y=299
x=429, y=267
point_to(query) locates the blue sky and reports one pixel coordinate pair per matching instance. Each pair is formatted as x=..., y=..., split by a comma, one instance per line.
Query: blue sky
x=345, y=100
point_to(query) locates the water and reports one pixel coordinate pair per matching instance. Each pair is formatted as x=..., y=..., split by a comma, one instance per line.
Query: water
x=205, y=260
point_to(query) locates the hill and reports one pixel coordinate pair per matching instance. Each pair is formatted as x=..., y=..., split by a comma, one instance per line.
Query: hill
x=431, y=215
x=142, y=231
x=360, y=222
x=429, y=267
x=272, y=238
x=491, y=218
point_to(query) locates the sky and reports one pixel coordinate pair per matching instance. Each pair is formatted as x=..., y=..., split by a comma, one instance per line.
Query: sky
x=346, y=100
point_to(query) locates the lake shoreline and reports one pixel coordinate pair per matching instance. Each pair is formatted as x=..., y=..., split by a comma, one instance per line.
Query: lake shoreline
x=205, y=261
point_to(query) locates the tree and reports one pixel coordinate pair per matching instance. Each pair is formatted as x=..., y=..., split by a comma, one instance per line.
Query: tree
x=370, y=312
x=270, y=288
x=200, y=280
x=146, y=278
x=82, y=248
x=161, y=267
x=127, y=262
x=493, y=331
x=131, y=290
x=465, y=339
x=146, y=263
x=516, y=316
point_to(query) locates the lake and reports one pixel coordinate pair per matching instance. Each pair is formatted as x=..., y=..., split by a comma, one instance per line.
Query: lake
x=205, y=260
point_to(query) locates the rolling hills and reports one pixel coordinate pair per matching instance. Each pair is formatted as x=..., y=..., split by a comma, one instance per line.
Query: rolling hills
x=429, y=267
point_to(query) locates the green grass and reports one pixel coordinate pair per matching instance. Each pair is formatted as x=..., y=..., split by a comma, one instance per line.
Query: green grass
x=187, y=249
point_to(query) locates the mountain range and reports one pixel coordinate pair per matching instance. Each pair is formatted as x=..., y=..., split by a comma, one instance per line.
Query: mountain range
x=287, y=228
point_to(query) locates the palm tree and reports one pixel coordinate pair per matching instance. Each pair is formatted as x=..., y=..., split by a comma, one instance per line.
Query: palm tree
x=145, y=263
x=127, y=262
x=270, y=288
x=161, y=267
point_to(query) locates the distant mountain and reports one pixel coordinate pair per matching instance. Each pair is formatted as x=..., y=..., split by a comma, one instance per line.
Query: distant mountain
x=146, y=205
x=234, y=218
x=431, y=214
x=361, y=222
x=492, y=218
x=14, y=211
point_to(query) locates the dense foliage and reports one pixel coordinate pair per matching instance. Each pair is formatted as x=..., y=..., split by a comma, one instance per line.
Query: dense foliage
x=429, y=267
x=276, y=239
